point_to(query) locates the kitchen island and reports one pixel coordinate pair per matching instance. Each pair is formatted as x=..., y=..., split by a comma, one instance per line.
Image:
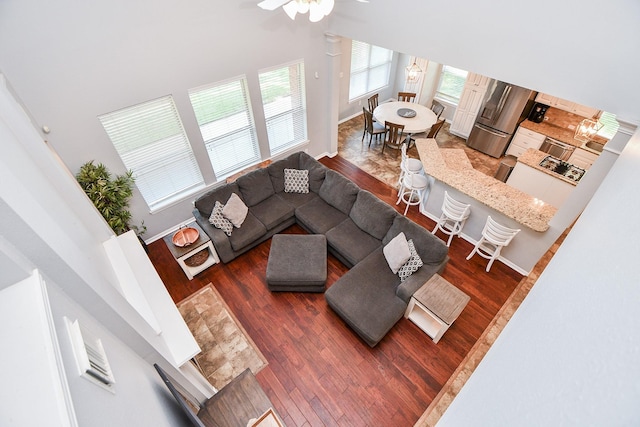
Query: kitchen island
x=450, y=170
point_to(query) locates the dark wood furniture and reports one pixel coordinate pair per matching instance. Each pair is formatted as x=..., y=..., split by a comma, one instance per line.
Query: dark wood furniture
x=393, y=137
x=236, y=404
x=406, y=96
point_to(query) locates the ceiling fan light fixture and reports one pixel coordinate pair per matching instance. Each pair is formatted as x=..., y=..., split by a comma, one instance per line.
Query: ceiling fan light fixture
x=291, y=9
x=315, y=12
x=303, y=6
x=326, y=6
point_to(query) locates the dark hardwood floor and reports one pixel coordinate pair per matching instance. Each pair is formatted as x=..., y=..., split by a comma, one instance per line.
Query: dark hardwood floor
x=319, y=372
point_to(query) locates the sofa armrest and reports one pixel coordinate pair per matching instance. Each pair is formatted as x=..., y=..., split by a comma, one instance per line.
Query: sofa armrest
x=218, y=238
x=414, y=282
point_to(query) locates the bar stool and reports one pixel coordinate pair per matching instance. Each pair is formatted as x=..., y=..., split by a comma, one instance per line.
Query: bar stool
x=411, y=188
x=494, y=237
x=410, y=164
x=454, y=215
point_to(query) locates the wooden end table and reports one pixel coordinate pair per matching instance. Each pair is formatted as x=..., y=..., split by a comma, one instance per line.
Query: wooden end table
x=435, y=306
x=183, y=254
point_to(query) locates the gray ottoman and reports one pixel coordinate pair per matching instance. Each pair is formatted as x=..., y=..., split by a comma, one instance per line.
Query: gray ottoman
x=297, y=263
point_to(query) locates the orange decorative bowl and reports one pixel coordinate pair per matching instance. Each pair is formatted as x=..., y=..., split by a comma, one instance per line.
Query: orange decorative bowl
x=185, y=237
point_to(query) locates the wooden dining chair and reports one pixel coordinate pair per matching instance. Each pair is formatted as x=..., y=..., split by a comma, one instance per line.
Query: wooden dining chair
x=406, y=96
x=373, y=102
x=393, y=137
x=435, y=129
x=437, y=108
x=373, y=129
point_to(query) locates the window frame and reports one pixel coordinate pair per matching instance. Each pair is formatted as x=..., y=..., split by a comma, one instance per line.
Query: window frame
x=249, y=128
x=120, y=131
x=298, y=112
x=443, y=96
x=368, y=71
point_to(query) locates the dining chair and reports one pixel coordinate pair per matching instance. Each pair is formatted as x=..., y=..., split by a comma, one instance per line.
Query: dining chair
x=495, y=236
x=437, y=108
x=373, y=102
x=435, y=129
x=406, y=96
x=370, y=127
x=393, y=137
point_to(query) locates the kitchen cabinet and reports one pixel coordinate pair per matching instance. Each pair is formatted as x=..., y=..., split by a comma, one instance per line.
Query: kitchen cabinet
x=563, y=104
x=582, y=158
x=523, y=140
x=475, y=88
x=540, y=185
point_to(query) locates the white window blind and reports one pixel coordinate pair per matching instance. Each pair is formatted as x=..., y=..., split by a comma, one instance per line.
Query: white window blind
x=370, y=68
x=285, y=106
x=451, y=84
x=223, y=112
x=151, y=142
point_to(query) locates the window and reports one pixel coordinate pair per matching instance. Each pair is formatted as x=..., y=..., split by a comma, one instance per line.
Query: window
x=610, y=125
x=370, y=69
x=285, y=106
x=451, y=84
x=151, y=142
x=224, y=115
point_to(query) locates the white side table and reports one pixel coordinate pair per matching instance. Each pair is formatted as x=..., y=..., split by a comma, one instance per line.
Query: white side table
x=183, y=254
x=435, y=306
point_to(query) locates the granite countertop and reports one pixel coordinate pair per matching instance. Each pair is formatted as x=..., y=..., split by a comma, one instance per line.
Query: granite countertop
x=533, y=157
x=452, y=167
x=561, y=134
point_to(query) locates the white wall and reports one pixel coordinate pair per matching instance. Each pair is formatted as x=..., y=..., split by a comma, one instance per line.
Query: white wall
x=70, y=62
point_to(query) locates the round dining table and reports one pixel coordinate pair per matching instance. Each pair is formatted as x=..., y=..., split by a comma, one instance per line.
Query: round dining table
x=416, y=118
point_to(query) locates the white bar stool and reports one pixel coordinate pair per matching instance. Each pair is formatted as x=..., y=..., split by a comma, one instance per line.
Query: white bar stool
x=454, y=215
x=494, y=237
x=410, y=164
x=411, y=188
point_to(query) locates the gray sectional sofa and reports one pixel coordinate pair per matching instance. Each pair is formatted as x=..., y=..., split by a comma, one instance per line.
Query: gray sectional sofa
x=370, y=298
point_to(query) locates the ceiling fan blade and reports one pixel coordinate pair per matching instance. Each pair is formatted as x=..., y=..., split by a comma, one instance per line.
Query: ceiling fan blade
x=272, y=4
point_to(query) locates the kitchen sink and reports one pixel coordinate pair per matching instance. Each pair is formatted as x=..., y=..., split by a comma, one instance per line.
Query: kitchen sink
x=594, y=146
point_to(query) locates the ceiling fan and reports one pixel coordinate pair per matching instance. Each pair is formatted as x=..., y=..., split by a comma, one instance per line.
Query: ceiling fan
x=317, y=9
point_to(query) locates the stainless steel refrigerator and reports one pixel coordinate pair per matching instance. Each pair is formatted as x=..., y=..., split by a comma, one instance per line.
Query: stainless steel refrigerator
x=505, y=107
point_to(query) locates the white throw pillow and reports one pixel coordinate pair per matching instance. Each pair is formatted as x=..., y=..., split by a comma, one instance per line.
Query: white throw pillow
x=411, y=266
x=397, y=252
x=219, y=221
x=296, y=181
x=235, y=210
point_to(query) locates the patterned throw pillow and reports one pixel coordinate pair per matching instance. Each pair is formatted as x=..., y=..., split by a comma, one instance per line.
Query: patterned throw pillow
x=296, y=181
x=412, y=265
x=219, y=221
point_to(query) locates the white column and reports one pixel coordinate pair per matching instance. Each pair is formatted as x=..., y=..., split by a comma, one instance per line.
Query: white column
x=333, y=71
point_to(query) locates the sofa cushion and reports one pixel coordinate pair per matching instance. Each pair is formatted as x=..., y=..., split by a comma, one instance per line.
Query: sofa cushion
x=318, y=216
x=272, y=211
x=351, y=242
x=235, y=210
x=431, y=249
x=297, y=199
x=296, y=181
x=221, y=194
x=412, y=265
x=317, y=171
x=365, y=298
x=372, y=214
x=276, y=170
x=338, y=191
x=397, y=252
x=255, y=186
x=252, y=229
x=218, y=220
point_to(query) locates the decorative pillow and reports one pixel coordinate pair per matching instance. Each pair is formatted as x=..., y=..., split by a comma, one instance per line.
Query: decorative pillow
x=397, y=252
x=219, y=221
x=296, y=181
x=411, y=266
x=235, y=210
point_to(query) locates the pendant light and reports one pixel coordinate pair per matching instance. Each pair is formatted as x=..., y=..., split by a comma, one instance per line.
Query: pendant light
x=413, y=72
x=587, y=129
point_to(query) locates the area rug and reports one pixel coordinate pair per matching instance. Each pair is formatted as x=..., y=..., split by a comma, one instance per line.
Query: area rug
x=227, y=349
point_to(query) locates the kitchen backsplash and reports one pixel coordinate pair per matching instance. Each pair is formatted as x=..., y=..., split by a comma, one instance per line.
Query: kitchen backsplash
x=563, y=119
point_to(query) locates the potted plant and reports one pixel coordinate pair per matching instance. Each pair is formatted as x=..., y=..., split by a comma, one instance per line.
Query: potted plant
x=110, y=195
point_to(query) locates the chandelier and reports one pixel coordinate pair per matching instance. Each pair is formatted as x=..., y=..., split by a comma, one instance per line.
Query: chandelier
x=587, y=129
x=317, y=9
